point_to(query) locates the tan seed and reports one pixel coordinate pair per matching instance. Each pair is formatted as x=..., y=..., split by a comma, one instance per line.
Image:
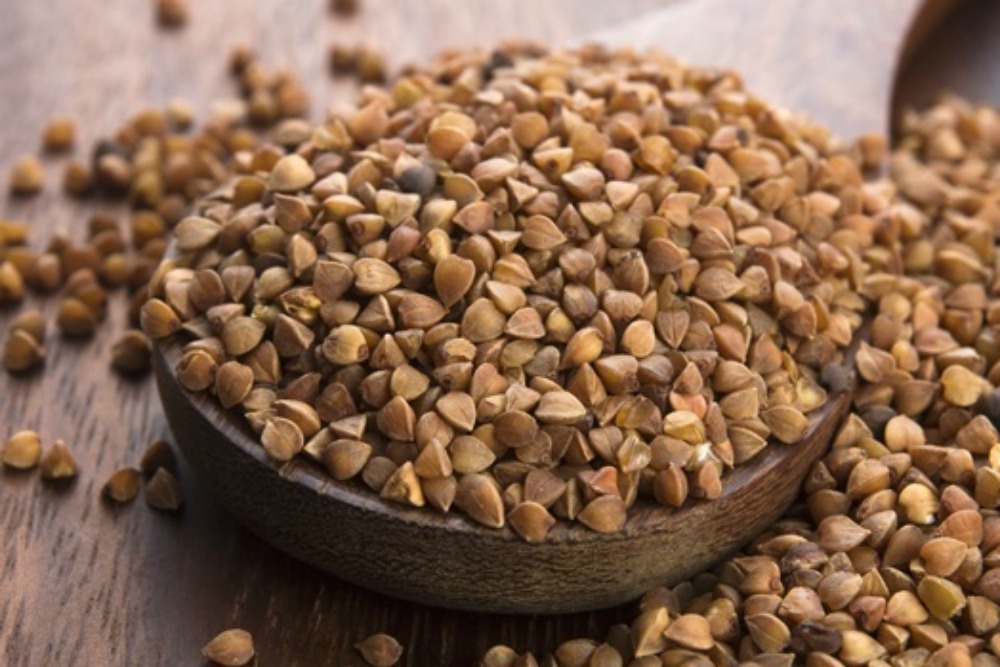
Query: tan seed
x=282, y=438
x=403, y=486
x=233, y=648
x=458, y=409
x=373, y=276
x=943, y=599
x=59, y=134
x=58, y=463
x=417, y=311
x=380, y=650
x=478, y=497
x=11, y=283
x=515, y=428
x=961, y=387
x=346, y=345
x=470, y=455
x=158, y=319
x=858, y=648
x=604, y=514
x=560, y=407
x=22, y=451
x=453, y=277
x=482, y=322
x=291, y=174
x=397, y=420
x=346, y=458
x=196, y=370
x=786, y=423
x=647, y=632
x=27, y=176
x=691, y=631
x=531, y=521
x=233, y=383
x=840, y=533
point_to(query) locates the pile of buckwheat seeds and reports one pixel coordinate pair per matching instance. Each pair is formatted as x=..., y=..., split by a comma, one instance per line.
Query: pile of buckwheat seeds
x=535, y=289
x=538, y=286
x=890, y=556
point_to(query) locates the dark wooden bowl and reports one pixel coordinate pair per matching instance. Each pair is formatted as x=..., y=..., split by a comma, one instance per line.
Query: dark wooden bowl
x=449, y=561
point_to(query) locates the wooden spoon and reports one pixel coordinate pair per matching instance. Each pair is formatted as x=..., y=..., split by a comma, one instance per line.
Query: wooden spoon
x=834, y=59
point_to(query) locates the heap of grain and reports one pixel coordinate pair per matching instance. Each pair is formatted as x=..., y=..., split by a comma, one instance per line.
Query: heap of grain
x=529, y=286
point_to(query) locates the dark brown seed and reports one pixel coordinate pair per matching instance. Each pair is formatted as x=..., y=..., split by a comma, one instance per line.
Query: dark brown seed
x=130, y=354
x=163, y=491
x=172, y=13
x=158, y=455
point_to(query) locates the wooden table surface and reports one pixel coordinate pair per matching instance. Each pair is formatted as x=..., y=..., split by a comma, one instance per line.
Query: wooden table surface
x=82, y=583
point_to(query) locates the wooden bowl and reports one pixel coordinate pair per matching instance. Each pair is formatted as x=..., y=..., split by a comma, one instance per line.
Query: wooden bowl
x=449, y=561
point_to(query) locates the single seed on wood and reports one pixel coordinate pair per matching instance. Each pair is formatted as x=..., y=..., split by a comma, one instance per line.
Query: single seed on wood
x=380, y=650
x=58, y=463
x=130, y=354
x=172, y=14
x=233, y=648
x=27, y=176
x=122, y=486
x=22, y=352
x=163, y=492
x=59, y=134
x=75, y=318
x=22, y=451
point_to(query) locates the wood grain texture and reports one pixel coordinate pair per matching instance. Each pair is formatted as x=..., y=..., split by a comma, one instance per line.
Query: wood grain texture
x=85, y=584
x=448, y=560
